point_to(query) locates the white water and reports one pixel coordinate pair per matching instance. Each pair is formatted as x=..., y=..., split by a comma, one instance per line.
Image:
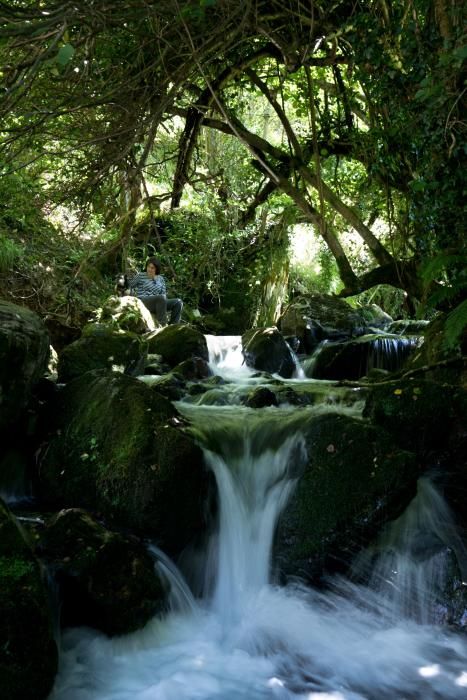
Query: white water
x=226, y=358
x=248, y=639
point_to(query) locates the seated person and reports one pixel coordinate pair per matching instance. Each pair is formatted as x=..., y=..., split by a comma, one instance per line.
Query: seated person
x=150, y=287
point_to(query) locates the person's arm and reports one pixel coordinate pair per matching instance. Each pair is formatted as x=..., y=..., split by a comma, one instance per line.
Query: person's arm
x=162, y=286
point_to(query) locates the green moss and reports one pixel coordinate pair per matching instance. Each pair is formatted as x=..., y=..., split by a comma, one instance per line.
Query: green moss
x=116, y=452
x=352, y=467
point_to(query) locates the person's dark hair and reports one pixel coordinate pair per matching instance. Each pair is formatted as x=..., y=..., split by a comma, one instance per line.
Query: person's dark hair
x=155, y=262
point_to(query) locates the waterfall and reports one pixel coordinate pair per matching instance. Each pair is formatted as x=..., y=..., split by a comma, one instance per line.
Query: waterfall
x=226, y=358
x=409, y=563
x=252, y=492
x=390, y=353
x=246, y=638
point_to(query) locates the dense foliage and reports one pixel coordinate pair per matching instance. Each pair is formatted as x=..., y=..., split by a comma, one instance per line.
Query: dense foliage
x=205, y=131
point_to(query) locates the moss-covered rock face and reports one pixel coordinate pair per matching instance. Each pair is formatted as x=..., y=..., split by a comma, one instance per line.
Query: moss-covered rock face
x=355, y=480
x=28, y=653
x=177, y=343
x=24, y=353
x=322, y=316
x=266, y=350
x=106, y=580
x=117, y=451
x=127, y=313
x=420, y=414
x=101, y=347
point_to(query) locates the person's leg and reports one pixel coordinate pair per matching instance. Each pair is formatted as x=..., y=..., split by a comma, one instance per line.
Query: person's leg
x=157, y=305
x=175, y=307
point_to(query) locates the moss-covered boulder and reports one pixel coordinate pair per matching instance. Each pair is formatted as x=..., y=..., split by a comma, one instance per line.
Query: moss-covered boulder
x=24, y=354
x=259, y=397
x=102, y=347
x=194, y=369
x=28, y=653
x=127, y=313
x=118, y=450
x=177, y=343
x=106, y=580
x=322, y=316
x=352, y=359
x=420, y=414
x=354, y=481
x=266, y=350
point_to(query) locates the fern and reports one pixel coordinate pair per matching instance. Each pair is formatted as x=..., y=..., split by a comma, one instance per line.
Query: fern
x=436, y=267
x=10, y=252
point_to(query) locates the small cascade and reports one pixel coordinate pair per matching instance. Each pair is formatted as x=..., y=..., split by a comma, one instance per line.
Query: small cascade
x=15, y=485
x=226, y=357
x=409, y=563
x=352, y=359
x=253, y=490
x=390, y=353
x=180, y=597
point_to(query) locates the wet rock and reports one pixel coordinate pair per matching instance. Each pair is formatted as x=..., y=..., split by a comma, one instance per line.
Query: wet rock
x=265, y=349
x=322, y=316
x=155, y=365
x=354, y=481
x=127, y=313
x=260, y=397
x=287, y=395
x=194, y=368
x=106, y=580
x=24, y=354
x=28, y=653
x=172, y=386
x=408, y=327
x=177, y=343
x=102, y=347
x=115, y=452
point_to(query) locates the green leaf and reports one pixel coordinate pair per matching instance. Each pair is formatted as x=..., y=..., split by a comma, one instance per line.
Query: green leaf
x=456, y=322
x=65, y=54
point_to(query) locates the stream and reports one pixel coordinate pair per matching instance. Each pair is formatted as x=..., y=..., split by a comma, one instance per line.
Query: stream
x=244, y=637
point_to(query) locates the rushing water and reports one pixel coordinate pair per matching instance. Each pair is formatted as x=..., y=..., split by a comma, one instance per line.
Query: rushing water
x=248, y=639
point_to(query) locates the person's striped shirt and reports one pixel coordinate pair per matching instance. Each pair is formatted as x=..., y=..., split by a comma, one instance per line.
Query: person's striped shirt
x=143, y=286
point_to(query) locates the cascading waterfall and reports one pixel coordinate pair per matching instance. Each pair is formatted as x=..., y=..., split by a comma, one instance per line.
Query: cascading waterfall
x=248, y=639
x=390, y=353
x=408, y=564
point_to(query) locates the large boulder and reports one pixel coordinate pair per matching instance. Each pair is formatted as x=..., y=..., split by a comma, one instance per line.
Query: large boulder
x=127, y=313
x=322, y=316
x=28, y=653
x=352, y=359
x=419, y=413
x=24, y=354
x=119, y=450
x=266, y=350
x=106, y=580
x=354, y=481
x=102, y=347
x=177, y=343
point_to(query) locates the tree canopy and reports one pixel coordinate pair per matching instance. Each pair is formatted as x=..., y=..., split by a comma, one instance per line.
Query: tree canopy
x=347, y=116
